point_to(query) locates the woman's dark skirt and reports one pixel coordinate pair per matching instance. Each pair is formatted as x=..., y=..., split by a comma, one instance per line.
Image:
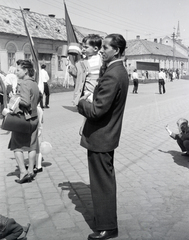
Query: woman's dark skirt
x=25, y=141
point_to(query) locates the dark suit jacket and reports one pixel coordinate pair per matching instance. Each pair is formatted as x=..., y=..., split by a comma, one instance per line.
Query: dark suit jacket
x=104, y=115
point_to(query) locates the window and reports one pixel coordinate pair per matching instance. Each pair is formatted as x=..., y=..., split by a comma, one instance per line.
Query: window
x=27, y=52
x=11, y=50
x=27, y=56
x=60, y=62
x=11, y=59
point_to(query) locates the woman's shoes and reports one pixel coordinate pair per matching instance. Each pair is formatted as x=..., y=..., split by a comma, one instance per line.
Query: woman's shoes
x=32, y=175
x=26, y=178
x=37, y=170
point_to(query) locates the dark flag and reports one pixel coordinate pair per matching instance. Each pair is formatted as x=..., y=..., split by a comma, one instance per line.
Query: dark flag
x=33, y=50
x=71, y=36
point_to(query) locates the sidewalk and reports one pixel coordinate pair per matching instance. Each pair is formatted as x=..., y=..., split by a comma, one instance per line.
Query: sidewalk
x=152, y=176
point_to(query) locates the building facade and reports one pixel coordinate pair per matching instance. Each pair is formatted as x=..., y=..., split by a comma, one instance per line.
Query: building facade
x=48, y=34
x=140, y=50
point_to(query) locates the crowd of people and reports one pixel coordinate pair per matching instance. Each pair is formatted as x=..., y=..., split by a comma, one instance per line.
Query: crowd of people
x=101, y=86
x=100, y=95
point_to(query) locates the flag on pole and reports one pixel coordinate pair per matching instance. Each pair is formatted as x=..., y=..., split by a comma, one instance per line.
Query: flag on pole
x=33, y=50
x=71, y=36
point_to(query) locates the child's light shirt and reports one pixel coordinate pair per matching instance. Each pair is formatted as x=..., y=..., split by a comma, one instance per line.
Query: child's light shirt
x=95, y=63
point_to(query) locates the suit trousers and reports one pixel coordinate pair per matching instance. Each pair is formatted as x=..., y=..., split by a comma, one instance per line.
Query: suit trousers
x=161, y=85
x=135, y=88
x=47, y=93
x=103, y=189
x=12, y=231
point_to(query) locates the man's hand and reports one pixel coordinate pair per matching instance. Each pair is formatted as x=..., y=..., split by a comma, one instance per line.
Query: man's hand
x=168, y=130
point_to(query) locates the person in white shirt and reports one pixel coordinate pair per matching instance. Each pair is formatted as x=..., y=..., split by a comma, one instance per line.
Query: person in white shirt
x=45, y=79
x=161, y=81
x=11, y=82
x=135, y=81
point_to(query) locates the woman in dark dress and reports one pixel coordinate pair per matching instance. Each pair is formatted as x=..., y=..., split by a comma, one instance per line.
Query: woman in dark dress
x=28, y=91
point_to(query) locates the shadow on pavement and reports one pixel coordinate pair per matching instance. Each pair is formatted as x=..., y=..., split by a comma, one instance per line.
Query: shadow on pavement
x=71, y=108
x=178, y=159
x=80, y=194
x=26, y=162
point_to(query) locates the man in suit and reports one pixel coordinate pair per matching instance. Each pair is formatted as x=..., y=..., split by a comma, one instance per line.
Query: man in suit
x=101, y=135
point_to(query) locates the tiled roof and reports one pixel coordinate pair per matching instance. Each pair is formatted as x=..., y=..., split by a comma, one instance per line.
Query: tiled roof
x=143, y=47
x=39, y=25
x=177, y=42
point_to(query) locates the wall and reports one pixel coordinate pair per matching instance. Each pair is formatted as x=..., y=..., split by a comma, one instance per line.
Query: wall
x=48, y=53
x=165, y=62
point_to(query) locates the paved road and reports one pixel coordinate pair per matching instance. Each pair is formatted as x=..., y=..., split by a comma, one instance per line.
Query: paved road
x=152, y=176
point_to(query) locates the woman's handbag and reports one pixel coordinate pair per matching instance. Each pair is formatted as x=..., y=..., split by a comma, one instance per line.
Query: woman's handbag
x=16, y=123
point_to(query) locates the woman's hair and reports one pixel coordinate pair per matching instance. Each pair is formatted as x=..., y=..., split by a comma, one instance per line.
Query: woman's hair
x=26, y=64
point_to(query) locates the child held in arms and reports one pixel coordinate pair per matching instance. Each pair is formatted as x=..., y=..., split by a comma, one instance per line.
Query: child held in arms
x=91, y=47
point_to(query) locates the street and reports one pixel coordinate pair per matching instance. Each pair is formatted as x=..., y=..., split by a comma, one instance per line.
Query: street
x=152, y=176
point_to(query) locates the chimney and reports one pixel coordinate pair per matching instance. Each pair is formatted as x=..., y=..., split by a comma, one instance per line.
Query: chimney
x=51, y=15
x=26, y=9
x=138, y=37
x=155, y=40
x=160, y=41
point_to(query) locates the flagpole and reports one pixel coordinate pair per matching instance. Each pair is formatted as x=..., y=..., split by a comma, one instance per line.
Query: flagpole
x=33, y=50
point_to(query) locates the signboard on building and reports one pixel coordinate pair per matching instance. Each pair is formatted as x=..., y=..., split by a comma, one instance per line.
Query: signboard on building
x=148, y=66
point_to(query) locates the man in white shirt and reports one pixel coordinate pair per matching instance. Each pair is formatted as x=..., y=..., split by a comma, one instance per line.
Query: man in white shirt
x=161, y=81
x=45, y=79
x=135, y=81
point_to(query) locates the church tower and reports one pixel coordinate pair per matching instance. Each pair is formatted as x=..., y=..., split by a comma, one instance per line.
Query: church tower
x=178, y=38
x=178, y=30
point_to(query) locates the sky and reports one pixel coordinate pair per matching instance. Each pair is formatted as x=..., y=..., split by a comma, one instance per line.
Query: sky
x=149, y=19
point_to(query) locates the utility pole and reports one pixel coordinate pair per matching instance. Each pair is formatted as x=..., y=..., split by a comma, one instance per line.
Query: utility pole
x=173, y=36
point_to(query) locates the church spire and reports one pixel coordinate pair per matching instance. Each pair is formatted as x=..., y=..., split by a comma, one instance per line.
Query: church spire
x=178, y=30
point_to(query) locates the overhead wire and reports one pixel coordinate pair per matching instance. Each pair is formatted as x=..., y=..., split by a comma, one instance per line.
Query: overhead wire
x=117, y=20
x=96, y=14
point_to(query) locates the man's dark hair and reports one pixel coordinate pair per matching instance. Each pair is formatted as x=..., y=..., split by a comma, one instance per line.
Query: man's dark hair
x=94, y=40
x=43, y=66
x=117, y=41
x=26, y=64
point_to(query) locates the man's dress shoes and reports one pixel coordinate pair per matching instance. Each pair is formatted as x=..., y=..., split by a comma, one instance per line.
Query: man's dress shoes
x=104, y=234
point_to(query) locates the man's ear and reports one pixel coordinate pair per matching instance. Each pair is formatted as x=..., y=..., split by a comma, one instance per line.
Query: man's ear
x=117, y=52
